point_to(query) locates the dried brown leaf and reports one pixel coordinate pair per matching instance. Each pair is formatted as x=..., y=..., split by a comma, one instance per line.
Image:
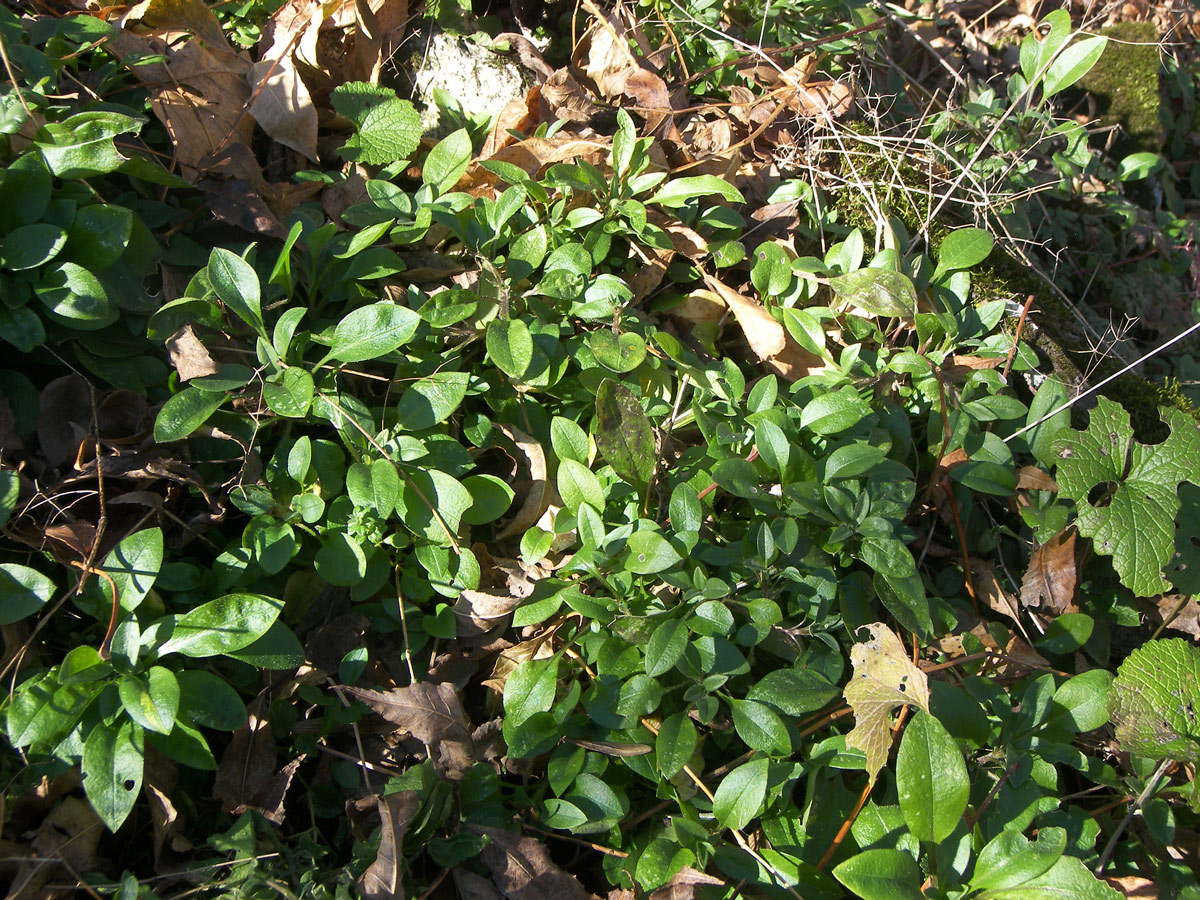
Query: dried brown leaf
x=481, y=611
x=1133, y=886
x=71, y=833
x=1049, y=583
x=768, y=339
x=473, y=887
x=188, y=355
x=192, y=16
x=1031, y=478
x=540, y=493
x=433, y=715
x=64, y=418
x=684, y=884
x=281, y=103
x=247, y=767
x=383, y=879
x=522, y=869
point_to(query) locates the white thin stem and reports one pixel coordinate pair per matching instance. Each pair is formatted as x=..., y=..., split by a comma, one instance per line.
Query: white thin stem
x=1113, y=377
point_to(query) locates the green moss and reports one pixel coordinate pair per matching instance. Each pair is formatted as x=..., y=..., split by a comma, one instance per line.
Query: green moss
x=1125, y=85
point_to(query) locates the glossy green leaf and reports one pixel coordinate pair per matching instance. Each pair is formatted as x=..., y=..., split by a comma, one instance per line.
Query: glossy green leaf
x=209, y=700
x=23, y=591
x=510, y=346
x=878, y=292
x=113, y=761
x=30, y=246
x=617, y=353
x=1009, y=860
x=578, y=484
x=185, y=412
x=231, y=622
x=650, y=552
x=739, y=797
x=236, y=283
x=794, y=692
x=432, y=400
x=448, y=161
x=675, y=744
x=964, y=248
x=100, y=235
x=151, y=701
x=370, y=332
x=76, y=296
x=833, y=412
x=665, y=647
x=291, y=393
x=760, y=727
x=881, y=875
x=679, y=191
x=931, y=779
x=1072, y=64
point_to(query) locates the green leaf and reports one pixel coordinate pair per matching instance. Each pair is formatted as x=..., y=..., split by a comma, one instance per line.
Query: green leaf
x=236, y=283
x=389, y=129
x=530, y=689
x=681, y=190
x=1153, y=698
x=881, y=875
x=878, y=292
x=527, y=252
x=568, y=440
x=1009, y=860
x=491, y=499
x=23, y=591
x=794, y=692
x=686, y=513
x=277, y=649
x=10, y=491
x=510, y=346
x=773, y=446
x=1084, y=699
x=964, y=248
x=448, y=161
x=931, y=779
x=623, y=433
x=1133, y=519
x=578, y=484
x=30, y=246
x=100, y=235
x=82, y=145
x=292, y=394
x=431, y=400
x=133, y=565
x=152, y=702
x=665, y=647
x=650, y=552
x=370, y=332
x=113, y=761
x=1072, y=64
x=43, y=712
x=739, y=797
x=208, y=700
x=640, y=696
x=228, y=623
x=22, y=328
x=737, y=476
x=73, y=294
x=185, y=412
x=83, y=664
x=1067, y=878
x=834, y=411
x=426, y=488
x=617, y=353
x=1066, y=634
x=760, y=727
x=675, y=744
x=341, y=560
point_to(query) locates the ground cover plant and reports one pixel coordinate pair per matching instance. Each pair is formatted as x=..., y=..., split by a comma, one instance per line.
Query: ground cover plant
x=694, y=481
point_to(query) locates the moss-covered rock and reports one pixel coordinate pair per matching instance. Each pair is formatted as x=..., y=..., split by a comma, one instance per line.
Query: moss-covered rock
x=1125, y=85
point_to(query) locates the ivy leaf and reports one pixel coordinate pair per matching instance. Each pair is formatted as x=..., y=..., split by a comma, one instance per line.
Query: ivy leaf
x=1155, y=701
x=1132, y=518
x=884, y=679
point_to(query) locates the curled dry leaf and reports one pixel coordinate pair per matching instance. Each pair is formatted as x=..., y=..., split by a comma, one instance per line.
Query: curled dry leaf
x=71, y=833
x=383, y=879
x=989, y=589
x=480, y=611
x=1049, y=583
x=617, y=73
x=188, y=355
x=768, y=339
x=247, y=767
x=884, y=679
x=522, y=869
x=540, y=494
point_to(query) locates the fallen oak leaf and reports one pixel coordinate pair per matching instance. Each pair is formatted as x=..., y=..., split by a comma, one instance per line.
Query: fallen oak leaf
x=884, y=679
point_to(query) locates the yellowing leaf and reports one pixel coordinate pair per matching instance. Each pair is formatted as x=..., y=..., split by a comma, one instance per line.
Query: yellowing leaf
x=884, y=680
